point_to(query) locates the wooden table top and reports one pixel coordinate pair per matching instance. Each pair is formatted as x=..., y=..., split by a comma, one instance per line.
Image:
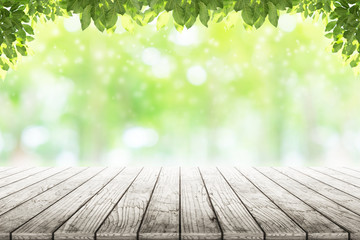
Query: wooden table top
x=179, y=203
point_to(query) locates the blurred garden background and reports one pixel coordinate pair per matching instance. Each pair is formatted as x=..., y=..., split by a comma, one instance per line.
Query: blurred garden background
x=206, y=96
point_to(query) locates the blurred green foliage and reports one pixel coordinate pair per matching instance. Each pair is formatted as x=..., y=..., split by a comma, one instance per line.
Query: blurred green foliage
x=273, y=96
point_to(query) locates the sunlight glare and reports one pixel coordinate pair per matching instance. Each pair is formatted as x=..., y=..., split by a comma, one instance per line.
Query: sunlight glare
x=139, y=137
x=287, y=22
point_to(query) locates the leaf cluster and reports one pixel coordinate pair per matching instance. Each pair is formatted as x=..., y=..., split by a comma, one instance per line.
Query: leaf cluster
x=343, y=29
x=17, y=21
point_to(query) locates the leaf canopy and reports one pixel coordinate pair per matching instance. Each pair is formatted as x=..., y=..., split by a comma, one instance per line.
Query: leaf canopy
x=18, y=18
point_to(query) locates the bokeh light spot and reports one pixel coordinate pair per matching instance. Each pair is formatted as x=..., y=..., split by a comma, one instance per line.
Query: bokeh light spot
x=196, y=75
x=72, y=24
x=139, y=137
x=287, y=22
x=34, y=136
x=151, y=56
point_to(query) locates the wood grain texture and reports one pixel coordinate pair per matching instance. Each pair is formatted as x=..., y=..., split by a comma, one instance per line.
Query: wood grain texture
x=11, y=171
x=235, y=220
x=124, y=220
x=20, y=176
x=327, y=173
x=355, y=169
x=161, y=220
x=315, y=224
x=348, y=220
x=6, y=191
x=14, y=199
x=3, y=170
x=349, y=171
x=275, y=223
x=48, y=221
x=333, y=194
x=15, y=218
x=198, y=220
x=84, y=223
x=334, y=179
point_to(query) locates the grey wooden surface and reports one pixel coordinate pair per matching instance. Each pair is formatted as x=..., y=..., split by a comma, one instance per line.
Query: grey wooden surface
x=179, y=203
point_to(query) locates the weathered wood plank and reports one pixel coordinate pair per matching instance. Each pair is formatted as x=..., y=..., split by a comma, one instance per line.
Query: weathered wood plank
x=14, y=199
x=348, y=220
x=161, y=220
x=355, y=169
x=275, y=223
x=235, y=220
x=198, y=220
x=332, y=178
x=16, y=217
x=86, y=221
x=124, y=220
x=48, y=221
x=3, y=170
x=6, y=191
x=337, y=196
x=337, y=174
x=349, y=171
x=315, y=224
x=11, y=171
x=178, y=203
x=13, y=178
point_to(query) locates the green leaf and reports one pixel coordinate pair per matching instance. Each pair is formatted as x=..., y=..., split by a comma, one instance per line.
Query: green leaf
x=28, y=29
x=191, y=13
x=21, y=49
x=179, y=15
x=204, y=14
x=170, y=5
x=283, y=4
x=239, y=5
x=99, y=25
x=329, y=35
x=119, y=7
x=330, y=26
x=9, y=52
x=354, y=63
x=350, y=48
x=29, y=38
x=273, y=15
x=190, y=22
x=110, y=18
x=85, y=17
x=136, y=4
x=259, y=22
x=337, y=47
x=4, y=65
x=248, y=15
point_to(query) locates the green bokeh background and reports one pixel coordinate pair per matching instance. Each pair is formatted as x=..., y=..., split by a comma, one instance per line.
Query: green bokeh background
x=207, y=96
